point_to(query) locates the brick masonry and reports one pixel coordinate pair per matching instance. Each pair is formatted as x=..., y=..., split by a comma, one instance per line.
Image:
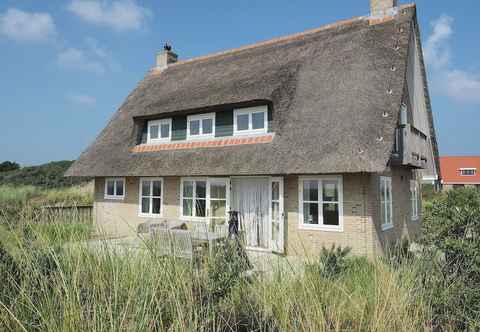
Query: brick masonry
x=362, y=226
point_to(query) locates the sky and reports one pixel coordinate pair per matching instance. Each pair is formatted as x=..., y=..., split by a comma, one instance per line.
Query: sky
x=66, y=66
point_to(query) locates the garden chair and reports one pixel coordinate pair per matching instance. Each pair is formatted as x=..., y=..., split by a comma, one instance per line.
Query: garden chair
x=221, y=229
x=162, y=240
x=182, y=244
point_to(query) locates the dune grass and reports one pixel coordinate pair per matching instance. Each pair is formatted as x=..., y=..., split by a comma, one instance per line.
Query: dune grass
x=49, y=287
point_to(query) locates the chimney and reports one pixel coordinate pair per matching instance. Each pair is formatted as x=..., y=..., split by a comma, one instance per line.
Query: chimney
x=382, y=8
x=166, y=57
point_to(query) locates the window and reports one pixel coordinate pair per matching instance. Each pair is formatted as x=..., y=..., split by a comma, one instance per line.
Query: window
x=159, y=131
x=251, y=120
x=151, y=191
x=194, y=199
x=414, y=199
x=386, y=206
x=468, y=171
x=201, y=126
x=115, y=188
x=205, y=199
x=321, y=203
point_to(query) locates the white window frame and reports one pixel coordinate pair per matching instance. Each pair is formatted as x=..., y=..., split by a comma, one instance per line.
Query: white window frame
x=414, y=199
x=468, y=169
x=386, y=205
x=159, y=123
x=250, y=110
x=208, y=199
x=115, y=196
x=140, y=196
x=200, y=118
x=321, y=226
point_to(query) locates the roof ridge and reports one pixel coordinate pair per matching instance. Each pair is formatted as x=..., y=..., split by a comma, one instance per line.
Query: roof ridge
x=280, y=39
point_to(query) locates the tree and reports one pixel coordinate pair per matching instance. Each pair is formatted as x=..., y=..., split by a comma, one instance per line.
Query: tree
x=9, y=166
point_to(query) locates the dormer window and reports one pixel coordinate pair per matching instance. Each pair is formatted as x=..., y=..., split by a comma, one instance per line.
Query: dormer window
x=159, y=130
x=252, y=120
x=468, y=171
x=201, y=126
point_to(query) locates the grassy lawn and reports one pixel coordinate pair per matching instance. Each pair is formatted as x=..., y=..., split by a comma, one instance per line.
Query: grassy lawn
x=50, y=286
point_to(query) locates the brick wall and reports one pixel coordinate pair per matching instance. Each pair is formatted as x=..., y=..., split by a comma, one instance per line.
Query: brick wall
x=362, y=225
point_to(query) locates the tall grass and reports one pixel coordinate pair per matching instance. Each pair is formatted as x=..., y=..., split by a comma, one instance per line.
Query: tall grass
x=74, y=287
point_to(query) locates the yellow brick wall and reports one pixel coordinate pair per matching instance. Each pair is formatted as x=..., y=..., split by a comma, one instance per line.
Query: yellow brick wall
x=356, y=222
x=362, y=226
x=121, y=217
x=403, y=225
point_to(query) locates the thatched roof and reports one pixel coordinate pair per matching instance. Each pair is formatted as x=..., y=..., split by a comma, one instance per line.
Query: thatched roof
x=329, y=89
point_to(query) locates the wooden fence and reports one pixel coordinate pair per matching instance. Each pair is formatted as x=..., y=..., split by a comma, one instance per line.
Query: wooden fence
x=67, y=214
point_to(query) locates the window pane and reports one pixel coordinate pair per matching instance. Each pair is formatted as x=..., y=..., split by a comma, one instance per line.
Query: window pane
x=145, y=188
x=218, y=190
x=145, y=205
x=119, y=187
x=201, y=191
x=188, y=189
x=275, y=211
x=218, y=208
x=187, y=207
x=382, y=211
x=330, y=191
x=310, y=213
x=165, y=130
x=388, y=192
x=382, y=189
x=195, y=127
x=310, y=190
x=258, y=120
x=157, y=188
x=275, y=191
x=110, y=188
x=154, y=132
x=330, y=214
x=200, y=205
x=242, y=122
x=207, y=126
x=156, y=202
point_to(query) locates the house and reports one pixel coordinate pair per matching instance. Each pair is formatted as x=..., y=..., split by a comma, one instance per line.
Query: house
x=459, y=172
x=317, y=138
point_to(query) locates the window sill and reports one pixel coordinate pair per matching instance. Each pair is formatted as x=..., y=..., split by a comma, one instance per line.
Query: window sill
x=250, y=132
x=305, y=227
x=114, y=198
x=386, y=227
x=415, y=219
x=149, y=215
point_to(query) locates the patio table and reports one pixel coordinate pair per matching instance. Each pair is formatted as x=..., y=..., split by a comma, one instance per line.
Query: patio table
x=209, y=238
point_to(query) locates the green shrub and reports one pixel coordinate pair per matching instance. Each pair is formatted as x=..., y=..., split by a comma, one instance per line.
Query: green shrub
x=452, y=258
x=331, y=262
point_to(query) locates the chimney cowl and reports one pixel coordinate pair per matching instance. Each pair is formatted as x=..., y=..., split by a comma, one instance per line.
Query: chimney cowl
x=166, y=57
x=382, y=8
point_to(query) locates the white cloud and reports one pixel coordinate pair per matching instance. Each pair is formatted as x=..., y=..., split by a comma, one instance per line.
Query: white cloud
x=77, y=59
x=120, y=15
x=437, y=50
x=82, y=99
x=23, y=26
x=463, y=86
x=460, y=85
x=92, y=58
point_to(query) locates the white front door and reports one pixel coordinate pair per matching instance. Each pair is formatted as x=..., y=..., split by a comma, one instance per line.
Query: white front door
x=259, y=201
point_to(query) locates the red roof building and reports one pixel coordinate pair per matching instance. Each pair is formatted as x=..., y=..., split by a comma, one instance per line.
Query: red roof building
x=460, y=170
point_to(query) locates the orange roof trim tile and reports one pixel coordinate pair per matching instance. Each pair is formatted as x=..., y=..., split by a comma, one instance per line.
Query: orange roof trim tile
x=233, y=141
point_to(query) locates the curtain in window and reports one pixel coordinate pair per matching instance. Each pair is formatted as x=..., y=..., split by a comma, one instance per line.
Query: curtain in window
x=250, y=198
